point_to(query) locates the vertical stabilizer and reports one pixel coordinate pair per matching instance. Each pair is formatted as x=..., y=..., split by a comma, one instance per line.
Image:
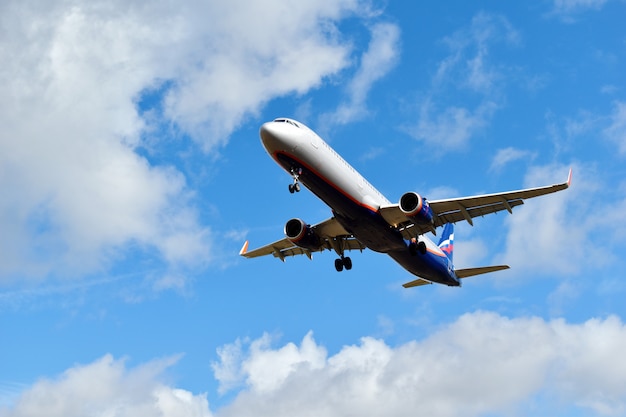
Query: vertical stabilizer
x=446, y=244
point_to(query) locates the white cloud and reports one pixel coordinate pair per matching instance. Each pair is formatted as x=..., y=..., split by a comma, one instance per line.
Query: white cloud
x=556, y=234
x=75, y=188
x=452, y=127
x=468, y=63
x=265, y=369
x=482, y=364
x=107, y=387
x=372, y=154
x=76, y=193
x=566, y=8
x=539, y=229
x=585, y=125
x=249, y=52
x=470, y=252
x=375, y=63
x=506, y=155
x=467, y=69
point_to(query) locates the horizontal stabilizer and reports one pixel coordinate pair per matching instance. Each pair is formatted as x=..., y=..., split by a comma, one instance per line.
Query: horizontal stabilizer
x=417, y=283
x=470, y=272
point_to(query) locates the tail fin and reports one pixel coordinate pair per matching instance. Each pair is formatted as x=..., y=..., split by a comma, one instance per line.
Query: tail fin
x=446, y=243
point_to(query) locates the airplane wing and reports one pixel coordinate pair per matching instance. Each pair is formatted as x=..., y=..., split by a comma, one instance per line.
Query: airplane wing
x=452, y=210
x=332, y=235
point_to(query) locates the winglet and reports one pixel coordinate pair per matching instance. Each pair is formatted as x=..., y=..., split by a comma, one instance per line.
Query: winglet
x=244, y=249
x=569, y=177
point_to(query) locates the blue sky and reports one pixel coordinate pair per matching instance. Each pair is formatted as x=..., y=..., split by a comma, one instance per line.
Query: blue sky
x=132, y=172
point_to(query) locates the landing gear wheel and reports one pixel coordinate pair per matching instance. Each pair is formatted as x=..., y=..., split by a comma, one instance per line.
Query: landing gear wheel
x=338, y=265
x=347, y=262
x=421, y=248
x=415, y=247
x=294, y=188
x=295, y=173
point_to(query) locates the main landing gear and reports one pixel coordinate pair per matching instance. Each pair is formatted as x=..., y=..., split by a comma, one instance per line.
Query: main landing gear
x=342, y=262
x=295, y=187
x=416, y=247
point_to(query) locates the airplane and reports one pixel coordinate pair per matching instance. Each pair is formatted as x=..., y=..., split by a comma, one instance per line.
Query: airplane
x=363, y=218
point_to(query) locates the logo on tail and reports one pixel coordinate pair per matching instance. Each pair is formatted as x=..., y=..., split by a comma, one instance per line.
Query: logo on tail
x=446, y=244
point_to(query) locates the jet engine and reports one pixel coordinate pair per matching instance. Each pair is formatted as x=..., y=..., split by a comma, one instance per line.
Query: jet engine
x=416, y=207
x=301, y=234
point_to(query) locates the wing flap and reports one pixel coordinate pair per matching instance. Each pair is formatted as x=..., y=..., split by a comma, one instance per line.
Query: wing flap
x=453, y=212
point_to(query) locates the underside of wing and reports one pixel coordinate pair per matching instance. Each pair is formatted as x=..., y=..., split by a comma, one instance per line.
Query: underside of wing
x=453, y=210
x=327, y=235
x=466, y=208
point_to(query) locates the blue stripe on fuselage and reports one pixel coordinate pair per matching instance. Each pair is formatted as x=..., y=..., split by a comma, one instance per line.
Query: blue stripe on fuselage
x=368, y=226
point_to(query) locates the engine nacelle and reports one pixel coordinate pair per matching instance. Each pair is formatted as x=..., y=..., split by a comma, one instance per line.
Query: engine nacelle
x=414, y=206
x=300, y=234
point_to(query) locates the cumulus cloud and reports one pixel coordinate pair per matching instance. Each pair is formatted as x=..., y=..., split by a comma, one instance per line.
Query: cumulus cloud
x=467, y=68
x=482, y=364
x=250, y=52
x=537, y=229
x=107, y=387
x=555, y=234
x=261, y=367
x=75, y=187
x=77, y=192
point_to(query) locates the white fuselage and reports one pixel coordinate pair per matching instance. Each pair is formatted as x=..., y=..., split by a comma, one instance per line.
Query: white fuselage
x=354, y=201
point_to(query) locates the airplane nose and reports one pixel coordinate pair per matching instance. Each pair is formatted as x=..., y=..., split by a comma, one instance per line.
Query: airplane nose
x=274, y=137
x=268, y=132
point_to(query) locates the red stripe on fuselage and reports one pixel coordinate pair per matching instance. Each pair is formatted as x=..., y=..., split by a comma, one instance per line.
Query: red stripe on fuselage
x=323, y=178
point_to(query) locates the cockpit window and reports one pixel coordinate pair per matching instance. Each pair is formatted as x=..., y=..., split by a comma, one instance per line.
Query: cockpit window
x=291, y=122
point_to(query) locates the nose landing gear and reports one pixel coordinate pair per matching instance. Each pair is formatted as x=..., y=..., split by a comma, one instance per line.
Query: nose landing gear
x=295, y=187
